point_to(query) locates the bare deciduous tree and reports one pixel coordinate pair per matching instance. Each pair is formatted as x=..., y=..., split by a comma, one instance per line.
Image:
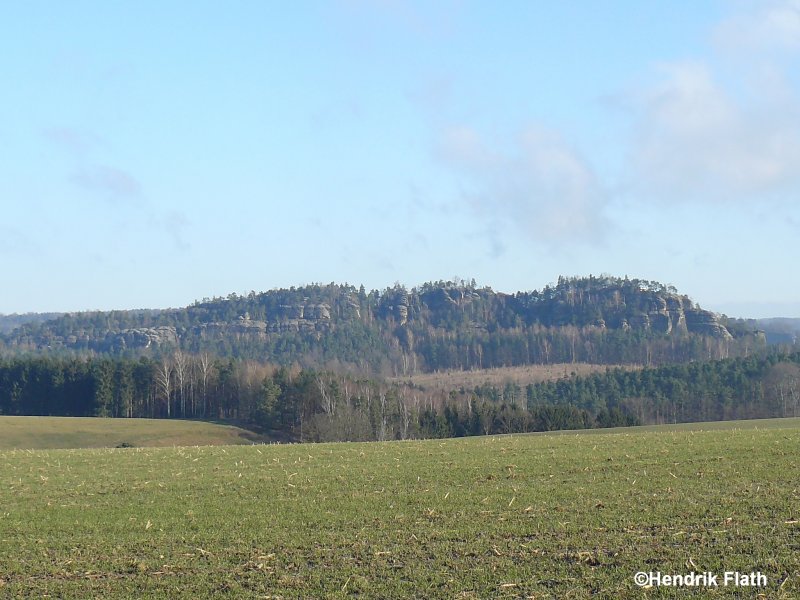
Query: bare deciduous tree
x=164, y=382
x=181, y=362
x=205, y=365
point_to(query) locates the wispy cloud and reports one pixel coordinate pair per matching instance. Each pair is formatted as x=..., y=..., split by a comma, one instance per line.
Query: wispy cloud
x=14, y=242
x=175, y=222
x=433, y=94
x=535, y=182
x=73, y=140
x=118, y=188
x=113, y=183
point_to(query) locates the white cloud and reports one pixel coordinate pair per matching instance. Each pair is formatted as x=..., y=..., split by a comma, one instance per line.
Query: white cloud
x=770, y=26
x=535, y=182
x=695, y=138
x=726, y=128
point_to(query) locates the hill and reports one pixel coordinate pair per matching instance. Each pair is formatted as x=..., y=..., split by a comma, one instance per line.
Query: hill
x=90, y=432
x=437, y=326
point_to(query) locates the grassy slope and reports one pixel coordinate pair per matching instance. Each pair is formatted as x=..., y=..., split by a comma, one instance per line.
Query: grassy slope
x=86, y=432
x=541, y=516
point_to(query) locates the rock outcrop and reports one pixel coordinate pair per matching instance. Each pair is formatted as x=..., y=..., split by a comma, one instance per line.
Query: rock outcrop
x=706, y=322
x=287, y=318
x=146, y=337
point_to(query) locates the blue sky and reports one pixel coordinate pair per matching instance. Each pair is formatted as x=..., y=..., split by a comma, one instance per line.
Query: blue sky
x=155, y=153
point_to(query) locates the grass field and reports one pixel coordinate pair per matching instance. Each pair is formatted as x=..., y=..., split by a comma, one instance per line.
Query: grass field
x=499, y=376
x=87, y=432
x=529, y=516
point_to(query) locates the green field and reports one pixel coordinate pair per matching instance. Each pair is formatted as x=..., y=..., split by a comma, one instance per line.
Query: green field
x=573, y=515
x=90, y=432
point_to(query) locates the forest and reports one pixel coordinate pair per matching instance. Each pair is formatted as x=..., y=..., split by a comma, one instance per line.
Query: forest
x=315, y=405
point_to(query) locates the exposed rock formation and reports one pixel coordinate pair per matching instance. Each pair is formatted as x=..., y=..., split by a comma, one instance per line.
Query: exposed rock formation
x=146, y=337
x=317, y=312
x=306, y=311
x=706, y=323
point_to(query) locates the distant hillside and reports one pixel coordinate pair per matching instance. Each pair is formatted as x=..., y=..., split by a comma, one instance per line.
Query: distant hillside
x=9, y=323
x=780, y=330
x=397, y=331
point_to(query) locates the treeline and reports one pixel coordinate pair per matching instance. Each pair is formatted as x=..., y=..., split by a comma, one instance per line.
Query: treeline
x=741, y=388
x=300, y=404
x=313, y=405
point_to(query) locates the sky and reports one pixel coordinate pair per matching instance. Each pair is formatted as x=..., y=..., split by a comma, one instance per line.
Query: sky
x=156, y=153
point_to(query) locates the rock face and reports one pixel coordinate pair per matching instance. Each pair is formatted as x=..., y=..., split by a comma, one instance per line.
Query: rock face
x=305, y=317
x=673, y=317
x=352, y=309
x=317, y=312
x=629, y=305
x=248, y=327
x=395, y=306
x=146, y=337
x=449, y=298
x=706, y=323
x=287, y=318
x=307, y=312
x=401, y=313
x=241, y=329
x=677, y=311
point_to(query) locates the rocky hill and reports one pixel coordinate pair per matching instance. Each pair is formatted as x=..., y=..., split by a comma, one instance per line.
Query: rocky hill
x=445, y=324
